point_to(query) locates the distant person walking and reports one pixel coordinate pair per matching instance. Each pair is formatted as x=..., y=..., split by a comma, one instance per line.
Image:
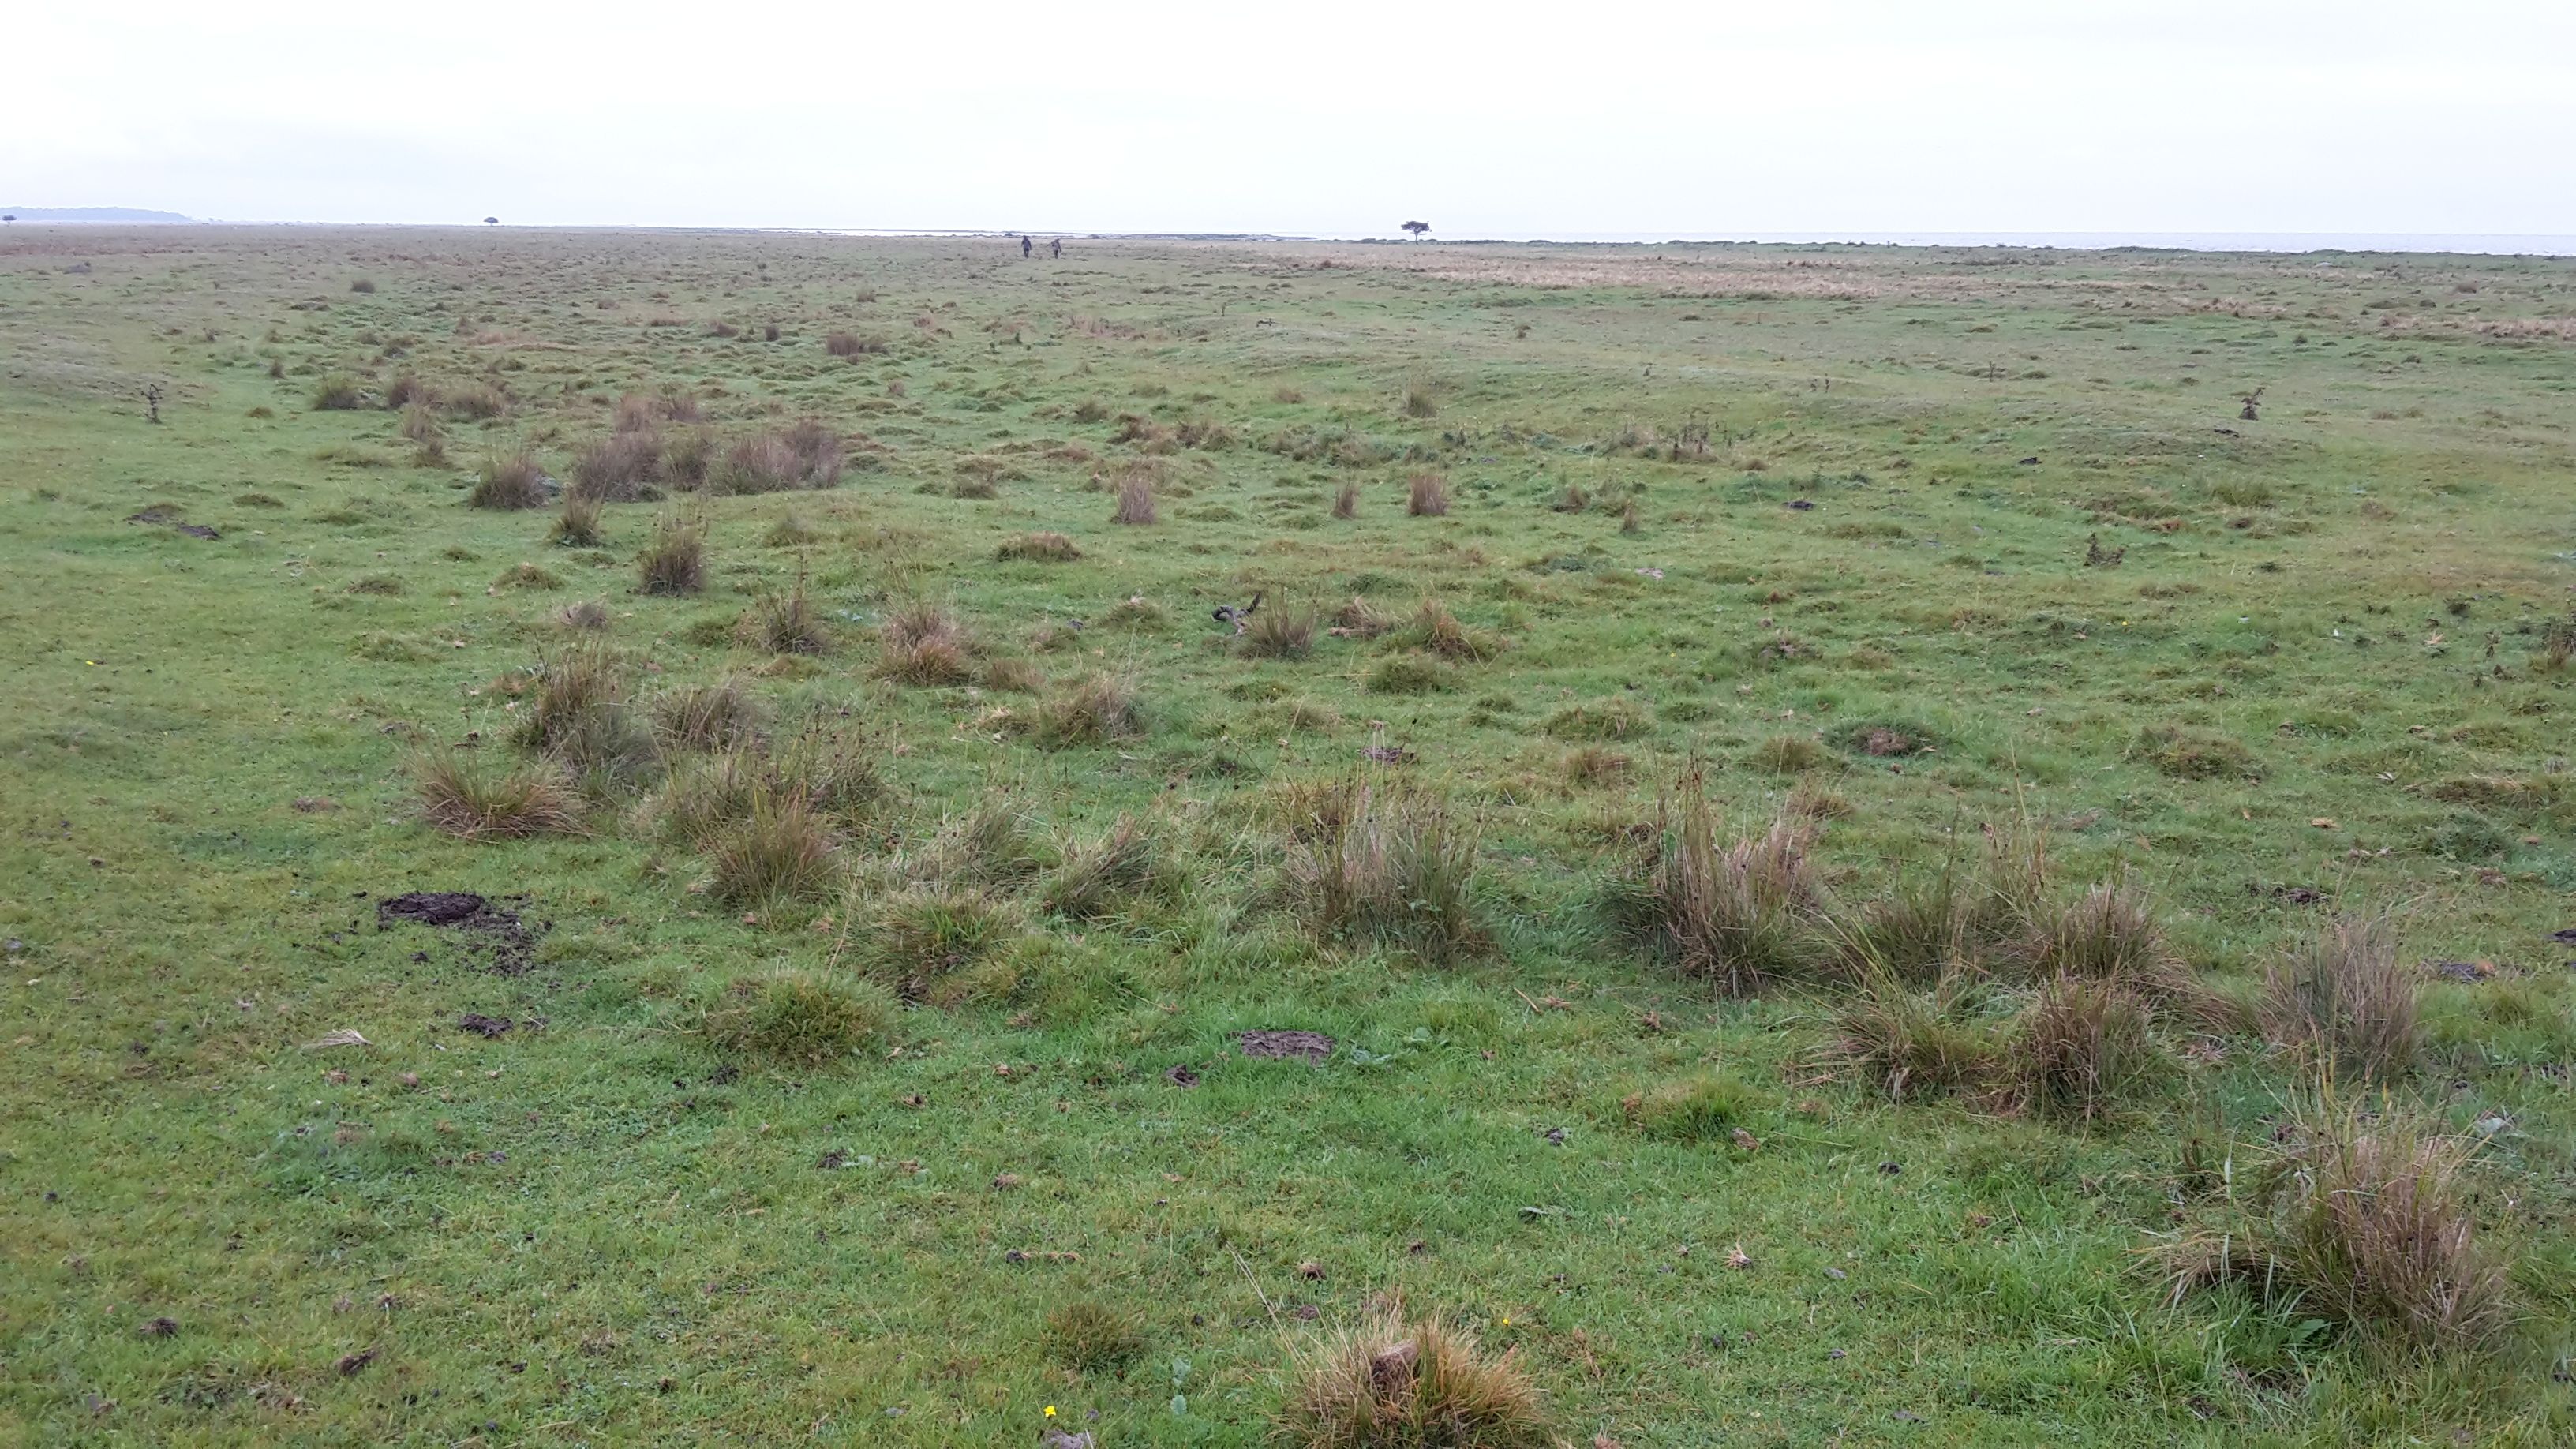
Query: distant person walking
x=1055, y=248
x=1025, y=248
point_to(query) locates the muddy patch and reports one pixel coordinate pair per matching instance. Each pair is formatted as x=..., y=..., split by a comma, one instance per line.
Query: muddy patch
x=486, y=1027
x=1311, y=1046
x=484, y=926
x=166, y=515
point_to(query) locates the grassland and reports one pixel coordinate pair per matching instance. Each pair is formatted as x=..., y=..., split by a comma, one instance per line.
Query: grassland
x=943, y=1123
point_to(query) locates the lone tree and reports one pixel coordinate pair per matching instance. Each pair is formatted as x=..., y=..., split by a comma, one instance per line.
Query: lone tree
x=491, y=221
x=11, y=218
x=1417, y=228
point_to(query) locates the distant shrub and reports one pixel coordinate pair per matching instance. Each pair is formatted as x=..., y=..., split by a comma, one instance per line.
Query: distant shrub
x=472, y=797
x=851, y=344
x=1394, y=868
x=408, y=391
x=805, y=456
x=644, y=412
x=1346, y=500
x=810, y=1018
x=2340, y=993
x=509, y=481
x=1426, y=495
x=1420, y=400
x=337, y=393
x=1390, y=1384
x=675, y=561
x=1038, y=548
x=362, y=285
x=689, y=458
x=475, y=402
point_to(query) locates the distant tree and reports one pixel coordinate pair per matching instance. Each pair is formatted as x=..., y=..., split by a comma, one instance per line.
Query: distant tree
x=491, y=221
x=11, y=217
x=1417, y=228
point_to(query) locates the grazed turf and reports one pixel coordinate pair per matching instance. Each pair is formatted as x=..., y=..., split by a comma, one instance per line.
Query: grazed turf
x=2307, y=682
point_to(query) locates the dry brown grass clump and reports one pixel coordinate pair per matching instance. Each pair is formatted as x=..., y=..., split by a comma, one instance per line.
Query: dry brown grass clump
x=644, y=412
x=807, y=455
x=1135, y=499
x=2341, y=995
x=1094, y=709
x=2110, y=933
x=420, y=425
x=2363, y=1218
x=1346, y=500
x=923, y=643
x=618, y=468
x=1738, y=914
x=1434, y=628
x=1390, y=1384
x=1360, y=619
x=1390, y=866
x=475, y=402
x=852, y=344
x=1426, y=495
x=2082, y=1045
x=509, y=480
x=407, y=392
x=579, y=712
x=469, y=796
x=1038, y=548
x=1914, y=1044
x=675, y=562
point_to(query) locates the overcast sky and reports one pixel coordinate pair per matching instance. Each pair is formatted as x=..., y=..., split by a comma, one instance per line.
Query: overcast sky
x=1709, y=117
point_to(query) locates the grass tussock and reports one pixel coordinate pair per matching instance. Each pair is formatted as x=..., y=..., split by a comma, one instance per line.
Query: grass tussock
x=1738, y=914
x=1701, y=1107
x=1913, y=1044
x=475, y=402
x=1346, y=500
x=724, y=715
x=1135, y=493
x=1282, y=631
x=1090, y=1337
x=579, y=712
x=1038, y=548
x=577, y=526
x=2109, y=933
x=923, y=643
x=1434, y=630
x=338, y=393
x=469, y=795
x=785, y=623
x=619, y=468
x=1393, y=867
x=674, y=562
x=420, y=425
x=2081, y=1046
x=1100, y=876
x=800, y=1017
x=808, y=455
x=2341, y=995
x=645, y=412
x=1094, y=709
x=1426, y=495
x=1393, y=1384
x=1611, y=717
x=781, y=851
x=920, y=937
x=510, y=480
x=2363, y=1218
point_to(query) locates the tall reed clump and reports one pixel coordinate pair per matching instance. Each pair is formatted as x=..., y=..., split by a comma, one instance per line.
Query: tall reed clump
x=1426, y=495
x=1390, y=1384
x=1094, y=709
x=1394, y=867
x=577, y=526
x=785, y=623
x=1283, y=631
x=2341, y=995
x=2362, y=1217
x=508, y=481
x=1737, y=914
x=807, y=455
x=2081, y=1045
x=780, y=852
x=472, y=797
x=1099, y=876
x=675, y=561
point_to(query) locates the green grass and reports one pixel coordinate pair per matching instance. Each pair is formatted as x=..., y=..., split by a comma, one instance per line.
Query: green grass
x=737, y=1165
